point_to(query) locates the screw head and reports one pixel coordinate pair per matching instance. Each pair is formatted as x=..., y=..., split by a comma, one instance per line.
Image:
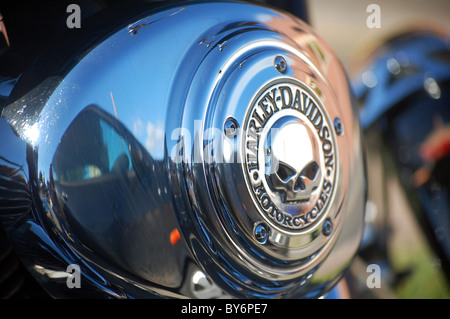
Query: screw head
x=338, y=127
x=231, y=127
x=280, y=64
x=261, y=233
x=327, y=227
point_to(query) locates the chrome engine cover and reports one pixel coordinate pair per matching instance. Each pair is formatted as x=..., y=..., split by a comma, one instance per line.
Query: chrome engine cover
x=213, y=138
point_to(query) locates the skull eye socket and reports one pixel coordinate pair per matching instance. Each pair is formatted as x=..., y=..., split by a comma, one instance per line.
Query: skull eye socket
x=310, y=171
x=285, y=172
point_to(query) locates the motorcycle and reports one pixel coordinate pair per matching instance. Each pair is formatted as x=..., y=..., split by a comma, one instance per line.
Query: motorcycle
x=204, y=149
x=402, y=95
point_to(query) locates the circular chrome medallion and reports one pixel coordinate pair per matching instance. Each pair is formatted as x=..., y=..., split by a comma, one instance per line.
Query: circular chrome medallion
x=289, y=152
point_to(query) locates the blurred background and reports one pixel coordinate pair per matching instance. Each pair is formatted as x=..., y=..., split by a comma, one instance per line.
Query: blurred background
x=342, y=23
x=410, y=267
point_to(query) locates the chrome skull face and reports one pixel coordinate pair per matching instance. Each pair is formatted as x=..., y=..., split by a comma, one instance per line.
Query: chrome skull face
x=291, y=166
x=290, y=150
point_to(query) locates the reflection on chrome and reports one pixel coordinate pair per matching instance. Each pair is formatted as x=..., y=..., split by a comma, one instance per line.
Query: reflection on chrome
x=432, y=88
x=216, y=171
x=51, y=273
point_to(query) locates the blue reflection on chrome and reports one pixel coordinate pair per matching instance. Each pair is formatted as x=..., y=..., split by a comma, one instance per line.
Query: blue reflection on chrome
x=415, y=62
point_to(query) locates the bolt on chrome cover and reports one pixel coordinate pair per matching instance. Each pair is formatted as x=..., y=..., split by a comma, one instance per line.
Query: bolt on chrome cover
x=280, y=64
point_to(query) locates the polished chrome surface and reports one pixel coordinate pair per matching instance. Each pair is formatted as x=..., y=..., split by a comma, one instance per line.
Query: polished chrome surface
x=136, y=159
x=412, y=62
x=285, y=154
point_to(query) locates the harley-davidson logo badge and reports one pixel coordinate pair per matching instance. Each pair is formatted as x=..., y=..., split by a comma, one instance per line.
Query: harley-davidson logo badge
x=289, y=154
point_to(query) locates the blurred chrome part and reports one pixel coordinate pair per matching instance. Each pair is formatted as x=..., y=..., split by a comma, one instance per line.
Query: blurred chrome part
x=404, y=98
x=403, y=65
x=134, y=159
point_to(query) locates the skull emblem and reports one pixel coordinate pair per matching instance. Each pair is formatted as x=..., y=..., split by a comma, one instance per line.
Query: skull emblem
x=291, y=156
